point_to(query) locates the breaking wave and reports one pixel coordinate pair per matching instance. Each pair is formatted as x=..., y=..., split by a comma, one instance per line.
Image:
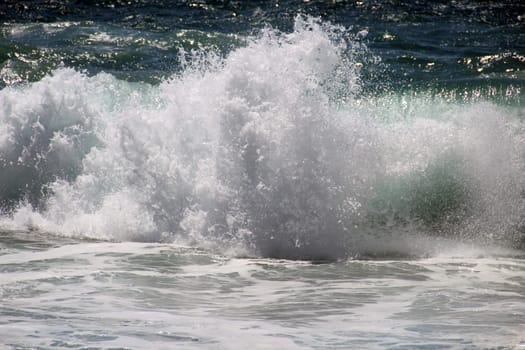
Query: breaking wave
x=272, y=150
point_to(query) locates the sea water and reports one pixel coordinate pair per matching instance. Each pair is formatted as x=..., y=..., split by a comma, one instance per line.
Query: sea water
x=274, y=175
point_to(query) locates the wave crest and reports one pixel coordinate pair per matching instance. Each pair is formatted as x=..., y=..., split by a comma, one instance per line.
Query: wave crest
x=270, y=150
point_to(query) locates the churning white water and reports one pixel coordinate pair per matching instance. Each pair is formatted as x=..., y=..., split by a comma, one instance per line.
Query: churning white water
x=63, y=294
x=271, y=151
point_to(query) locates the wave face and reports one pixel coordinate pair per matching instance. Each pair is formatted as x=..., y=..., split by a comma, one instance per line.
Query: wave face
x=272, y=150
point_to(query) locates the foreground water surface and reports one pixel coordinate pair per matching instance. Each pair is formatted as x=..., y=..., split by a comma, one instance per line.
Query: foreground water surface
x=63, y=294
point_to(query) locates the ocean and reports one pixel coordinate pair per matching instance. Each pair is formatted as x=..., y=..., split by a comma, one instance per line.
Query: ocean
x=262, y=174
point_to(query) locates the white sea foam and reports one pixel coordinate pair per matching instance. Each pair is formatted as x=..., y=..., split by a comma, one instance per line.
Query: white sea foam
x=270, y=150
x=144, y=295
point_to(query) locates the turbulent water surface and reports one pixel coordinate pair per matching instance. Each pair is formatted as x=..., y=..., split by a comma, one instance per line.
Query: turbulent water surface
x=271, y=174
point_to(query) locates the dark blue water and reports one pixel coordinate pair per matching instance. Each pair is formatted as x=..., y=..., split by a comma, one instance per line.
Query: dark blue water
x=432, y=45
